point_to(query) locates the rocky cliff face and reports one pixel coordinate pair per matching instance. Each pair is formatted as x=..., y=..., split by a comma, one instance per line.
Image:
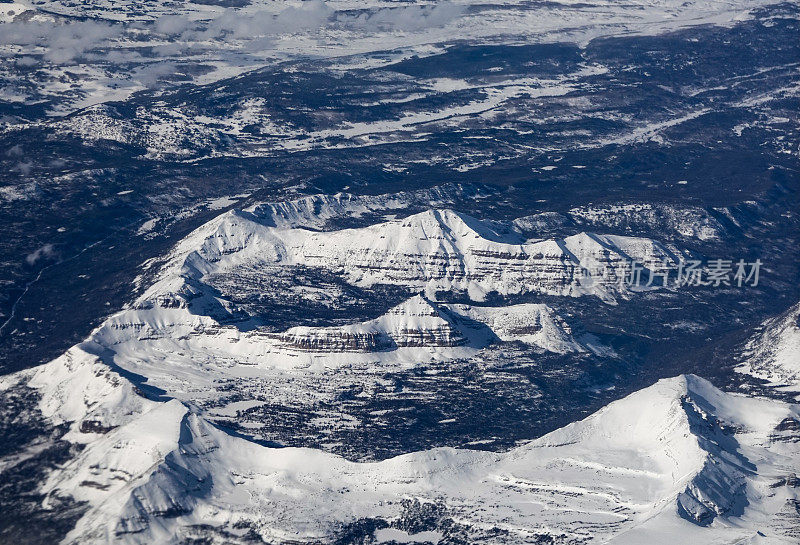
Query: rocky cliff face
x=417, y=322
x=773, y=353
x=446, y=251
x=142, y=392
x=675, y=457
x=433, y=250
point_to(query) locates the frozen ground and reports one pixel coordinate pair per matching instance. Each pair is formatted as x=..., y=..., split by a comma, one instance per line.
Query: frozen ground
x=350, y=272
x=74, y=54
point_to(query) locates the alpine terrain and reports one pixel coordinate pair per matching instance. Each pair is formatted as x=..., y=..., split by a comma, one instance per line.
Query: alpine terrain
x=385, y=272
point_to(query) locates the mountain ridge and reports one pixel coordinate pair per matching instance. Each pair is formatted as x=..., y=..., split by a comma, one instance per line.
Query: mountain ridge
x=678, y=450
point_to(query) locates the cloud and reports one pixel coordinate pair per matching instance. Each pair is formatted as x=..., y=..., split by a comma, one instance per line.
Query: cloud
x=63, y=43
x=24, y=168
x=315, y=14
x=27, y=61
x=46, y=251
x=120, y=54
x=150, y=75
x=24, y=33
x=242, y=25
x=117, y=56
x=171, y=25
x=167, y=50
x=407, y=18
x=75, y=41
x=312, y=15
x=67, y=42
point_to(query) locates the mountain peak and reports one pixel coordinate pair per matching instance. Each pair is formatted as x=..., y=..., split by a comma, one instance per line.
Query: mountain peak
x=459, y=224
x=416, y=305
x=415, y=322
x=773, y=353
x=652, y=459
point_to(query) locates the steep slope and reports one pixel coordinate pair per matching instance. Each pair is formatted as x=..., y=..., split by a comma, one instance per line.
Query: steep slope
x=773, y=354
x=535, y=324
x=416, y=322
x=432, y=250
x=679, y=457
x=186, y=337
x=419, y=322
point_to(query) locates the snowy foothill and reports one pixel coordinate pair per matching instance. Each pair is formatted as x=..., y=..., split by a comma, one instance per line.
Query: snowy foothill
x=679, y=459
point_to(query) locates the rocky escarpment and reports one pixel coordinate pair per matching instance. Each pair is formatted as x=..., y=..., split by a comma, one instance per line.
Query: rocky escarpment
x=444, y=250
x=680, y=448
x=416, y=322
x=420, y=322
x=773, y=353
x=334, y=340
x=436, y=250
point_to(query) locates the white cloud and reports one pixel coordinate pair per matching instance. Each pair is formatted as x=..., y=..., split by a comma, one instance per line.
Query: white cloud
x=407, y=18
x=242, y=25
x=67, y=42
x=24, y=168
x=63, y=43
x=149, y=75
x=172, y=25
x=46, y=251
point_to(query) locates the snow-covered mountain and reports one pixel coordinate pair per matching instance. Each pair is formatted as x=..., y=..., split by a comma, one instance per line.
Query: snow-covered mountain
x=773, y=354
x=352, y=273
x=186, y=337
x=188, y=334
x=419, y=322
x=194, y=356
x=433, y=250
x=416, y=322
x=679, y=460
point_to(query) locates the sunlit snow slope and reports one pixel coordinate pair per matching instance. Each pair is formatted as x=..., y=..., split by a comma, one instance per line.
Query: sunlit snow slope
x=679, y=460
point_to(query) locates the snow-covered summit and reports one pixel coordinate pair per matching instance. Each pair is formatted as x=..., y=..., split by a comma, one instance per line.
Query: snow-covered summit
x=415, y=322
x=432, y=250
x=773, y=354
x=420, y=322
x=679, y=458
